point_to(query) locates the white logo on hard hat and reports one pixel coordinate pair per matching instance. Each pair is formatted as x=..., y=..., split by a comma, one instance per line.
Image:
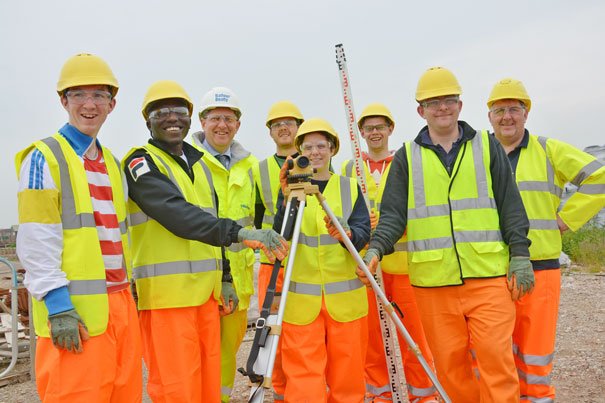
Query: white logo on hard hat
x=222, y=97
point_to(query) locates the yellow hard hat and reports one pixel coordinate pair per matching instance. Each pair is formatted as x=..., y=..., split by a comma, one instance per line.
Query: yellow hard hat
x=86, y=69
x=284, y=109
x=165, y=89
x=375, y=110
x=509, y=88
x=316, y=125
x=437, y=82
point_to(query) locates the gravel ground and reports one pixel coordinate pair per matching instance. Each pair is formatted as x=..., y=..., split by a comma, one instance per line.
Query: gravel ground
x=579, y=372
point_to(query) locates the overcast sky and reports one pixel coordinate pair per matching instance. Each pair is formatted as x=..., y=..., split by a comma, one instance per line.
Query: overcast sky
x=266, y=51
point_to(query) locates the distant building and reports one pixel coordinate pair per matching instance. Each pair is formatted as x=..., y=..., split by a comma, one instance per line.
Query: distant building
x=8, y=236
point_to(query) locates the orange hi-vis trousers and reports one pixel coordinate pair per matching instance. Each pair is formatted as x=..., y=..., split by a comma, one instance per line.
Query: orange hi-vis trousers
x=108, y=370
x=278, y=378
x=323, y=361
x=181, y=347
x=420, y=387
x=534, y=337
x=481, y=310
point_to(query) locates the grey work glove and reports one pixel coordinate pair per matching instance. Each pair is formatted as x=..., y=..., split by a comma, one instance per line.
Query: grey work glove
x=228, y=298
x=333, y=231
x=371, y=259
x=520, y=277
x=68, y=331
x=273, y=244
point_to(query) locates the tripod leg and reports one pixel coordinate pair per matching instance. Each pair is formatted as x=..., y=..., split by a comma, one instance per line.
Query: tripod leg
x=387, y=306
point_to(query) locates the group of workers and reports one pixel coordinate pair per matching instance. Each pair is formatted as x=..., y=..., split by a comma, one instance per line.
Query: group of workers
x=467, y=225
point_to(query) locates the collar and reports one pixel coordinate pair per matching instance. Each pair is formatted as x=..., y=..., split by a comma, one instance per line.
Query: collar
x=425, y=138
x=366, y=157
x=78, y=140
x=525, y=141
x=213, y=151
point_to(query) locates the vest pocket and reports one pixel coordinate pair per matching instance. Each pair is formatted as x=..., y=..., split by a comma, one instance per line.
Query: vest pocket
x=427, y=256
x=487, y=247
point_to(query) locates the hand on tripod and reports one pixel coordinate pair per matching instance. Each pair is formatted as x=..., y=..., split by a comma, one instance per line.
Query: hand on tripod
x=283, y=177
x=273, y=244
x=371, y=259
x=333, y=231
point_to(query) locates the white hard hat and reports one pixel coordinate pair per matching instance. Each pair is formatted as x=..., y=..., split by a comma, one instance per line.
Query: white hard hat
x=220, y=97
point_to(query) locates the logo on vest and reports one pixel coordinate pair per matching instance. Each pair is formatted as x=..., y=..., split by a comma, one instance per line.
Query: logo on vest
x=138, y=167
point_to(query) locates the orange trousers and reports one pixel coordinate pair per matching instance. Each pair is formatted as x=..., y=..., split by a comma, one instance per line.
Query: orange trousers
x=108, y=370
x=278, y=378
x=181, y=347
x=481, y=309
x=534, y=336
x=323, y=361
x=420, y=387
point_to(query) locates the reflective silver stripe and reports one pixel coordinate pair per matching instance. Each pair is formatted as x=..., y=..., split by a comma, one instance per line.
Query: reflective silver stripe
x=585, y=172
x=170, y=174
x=537, y=186
x=372, y=204
x=543, y=224
x=245, y=221
x=478, y=236
x=225, y=390
x=345, y=197
x=550, y=172
x=589, y=189
x=87, y=287
x=181, y=267
x=304, y=288
x=480, y=175
x=473, y=353
x=265, y=182
x=139, y=218
x=534, y=379
x=277, y=396
x=401, y=247
x=209, y=210
x=421, y=392
x=444, y=209
x=211, y=184
x=428, y=211
x=236, y=247
x=311, y=241
x=417, y=176
x=467, y=204
x=268, y=219
x=530, y=359
x=378, y=390
x=69, y=218
x=430, y=244
x=538, y=399
x=343, y=286
x=349, y=169
x=123, y=227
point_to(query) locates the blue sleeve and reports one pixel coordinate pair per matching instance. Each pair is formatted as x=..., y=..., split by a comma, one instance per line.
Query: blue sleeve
x=359, y=222
x=58, y=301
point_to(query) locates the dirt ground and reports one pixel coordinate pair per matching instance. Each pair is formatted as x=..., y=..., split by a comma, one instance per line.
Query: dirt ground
x=579, y=372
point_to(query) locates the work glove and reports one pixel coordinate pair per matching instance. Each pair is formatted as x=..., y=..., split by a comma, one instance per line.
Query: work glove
x=371, y=260
x=68, y=331
x=520, y=277
x=333, y=231
x=228, y=299
x=273, y=244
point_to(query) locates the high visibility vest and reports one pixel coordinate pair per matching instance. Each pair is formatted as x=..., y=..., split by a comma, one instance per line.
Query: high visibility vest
x=237, y=196
x=170, y=271
x=322, y=266
x=396, y=262
x=266, y=174
x=453, y=223
x=81, y=259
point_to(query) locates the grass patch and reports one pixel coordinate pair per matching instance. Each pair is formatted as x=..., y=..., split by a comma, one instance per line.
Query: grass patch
x=586, y=246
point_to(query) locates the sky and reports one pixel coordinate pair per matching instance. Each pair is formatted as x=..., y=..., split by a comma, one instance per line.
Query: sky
x=270, y=50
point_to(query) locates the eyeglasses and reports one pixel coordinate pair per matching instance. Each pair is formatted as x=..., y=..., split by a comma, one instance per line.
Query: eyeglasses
x=216, y=119
x=370, y=128
x=321, y=147
x=436, y=103
x=164, y=113
x=512, y=110
x=80, y=97
x=288, y=123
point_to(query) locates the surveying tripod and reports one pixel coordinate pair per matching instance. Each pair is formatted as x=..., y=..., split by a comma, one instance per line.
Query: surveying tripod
x=259, y=367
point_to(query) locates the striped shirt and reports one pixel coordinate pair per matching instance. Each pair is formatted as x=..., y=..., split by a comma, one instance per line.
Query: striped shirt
x=106, y=220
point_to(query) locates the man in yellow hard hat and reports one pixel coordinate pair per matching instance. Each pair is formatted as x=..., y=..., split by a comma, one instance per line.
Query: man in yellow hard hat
x=541, y=167
x=73, y=244
x=178, y=264
x=232, y=169
x=467, y=234
x=283, y=121
x=376, y=125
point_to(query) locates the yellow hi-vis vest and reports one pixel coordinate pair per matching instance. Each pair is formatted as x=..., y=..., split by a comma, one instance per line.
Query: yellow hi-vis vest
x=236, y=198
x=266, y=174
x=81, y=259
x=170, y=271
x=541, y=187
x=322, y=266
x=453, y=223
x=396, y=262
